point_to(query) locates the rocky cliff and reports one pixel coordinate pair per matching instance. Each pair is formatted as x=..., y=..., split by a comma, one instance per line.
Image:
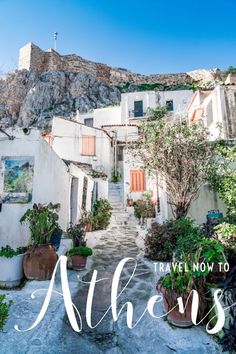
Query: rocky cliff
x=28, y=98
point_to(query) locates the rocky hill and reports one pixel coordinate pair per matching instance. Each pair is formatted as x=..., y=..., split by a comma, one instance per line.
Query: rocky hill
x=49, y=84
x=28, y=98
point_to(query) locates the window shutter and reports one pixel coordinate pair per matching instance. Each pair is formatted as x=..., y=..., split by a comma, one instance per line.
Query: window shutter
x=137, y=181
x=88, y=145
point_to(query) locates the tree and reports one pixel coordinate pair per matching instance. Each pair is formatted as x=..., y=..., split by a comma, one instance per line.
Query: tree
x=223, y=175
x=177, y=152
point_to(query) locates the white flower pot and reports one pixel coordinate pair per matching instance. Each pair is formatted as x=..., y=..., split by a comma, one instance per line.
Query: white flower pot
x=11, y=271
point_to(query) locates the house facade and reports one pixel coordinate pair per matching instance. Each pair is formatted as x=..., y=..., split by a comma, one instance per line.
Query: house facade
x=122, y=125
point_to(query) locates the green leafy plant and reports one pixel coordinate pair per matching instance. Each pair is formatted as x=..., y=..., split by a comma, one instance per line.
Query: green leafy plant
x=189, y=235
x=77, y=233
x=101, y=214
x=186, y=278
x=98, y=174
x=223, y=175
x=4, y=310
x=43, y=221
x=9, y=252
x=82, y=251
x=144, y=209
x=116, y=176
x=226, y=234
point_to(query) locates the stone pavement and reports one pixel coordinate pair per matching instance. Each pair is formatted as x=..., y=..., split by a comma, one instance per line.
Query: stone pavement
x=55, y=335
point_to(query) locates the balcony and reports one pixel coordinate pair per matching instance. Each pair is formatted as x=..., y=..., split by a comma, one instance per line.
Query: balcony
x=137, y=115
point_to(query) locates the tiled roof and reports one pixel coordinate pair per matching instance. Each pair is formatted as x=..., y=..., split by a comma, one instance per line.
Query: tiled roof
x=119, y=125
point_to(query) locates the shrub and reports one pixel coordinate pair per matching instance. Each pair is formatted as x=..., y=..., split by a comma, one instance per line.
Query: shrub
x=160, y=242
x=101, y=214
x=188, y=234
x=4, y=310
x=82, y=251
x=177, y=237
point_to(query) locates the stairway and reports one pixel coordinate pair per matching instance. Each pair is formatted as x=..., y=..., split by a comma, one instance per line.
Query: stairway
x=115, y=196
x=119, y=214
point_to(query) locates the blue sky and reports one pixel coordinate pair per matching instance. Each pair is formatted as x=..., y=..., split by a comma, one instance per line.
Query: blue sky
x=144, y=36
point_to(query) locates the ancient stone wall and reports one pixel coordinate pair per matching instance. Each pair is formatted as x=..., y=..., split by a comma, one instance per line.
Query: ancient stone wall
x=33, y=58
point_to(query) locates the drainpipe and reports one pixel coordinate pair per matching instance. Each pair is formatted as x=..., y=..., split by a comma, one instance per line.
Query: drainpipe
x=115, y=153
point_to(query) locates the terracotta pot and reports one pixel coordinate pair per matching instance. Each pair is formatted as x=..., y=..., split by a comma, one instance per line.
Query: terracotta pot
x=89, y=227
x=170, y=300
x=39, y=262
x=78, y=262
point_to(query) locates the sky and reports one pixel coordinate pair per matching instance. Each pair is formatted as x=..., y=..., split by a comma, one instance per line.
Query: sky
x=147, y=37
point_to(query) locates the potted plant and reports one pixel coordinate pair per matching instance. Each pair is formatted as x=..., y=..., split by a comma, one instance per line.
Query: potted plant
x=41, y=258
x=11, y=266
x=129, y=201
x=79, y=256
x=77, y=233
x=180, y=283
x=182, y=280
x=88, y=220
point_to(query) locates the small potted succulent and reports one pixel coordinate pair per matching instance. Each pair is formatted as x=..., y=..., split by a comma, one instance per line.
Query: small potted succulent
x=41, y=257
x=79, y=256
x=11, y=266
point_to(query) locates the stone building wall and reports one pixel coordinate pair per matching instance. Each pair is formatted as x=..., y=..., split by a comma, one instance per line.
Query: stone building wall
x=230, y=104
x=33, y=58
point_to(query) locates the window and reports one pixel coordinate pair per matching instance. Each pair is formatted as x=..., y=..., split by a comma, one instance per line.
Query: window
x=88, y=145
x=88, y=122
x=170, y=106
x=137, y=181
x=138, y=108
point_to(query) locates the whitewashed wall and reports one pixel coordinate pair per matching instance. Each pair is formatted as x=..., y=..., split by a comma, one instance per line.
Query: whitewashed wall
x=102, y=116
x=206, y=200
x=153, y=99
x=67, y=143
x=51, y=183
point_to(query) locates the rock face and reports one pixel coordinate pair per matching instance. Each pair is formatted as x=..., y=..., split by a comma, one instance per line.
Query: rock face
x=28, y=98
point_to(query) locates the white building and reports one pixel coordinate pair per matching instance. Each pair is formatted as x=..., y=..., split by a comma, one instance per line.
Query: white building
x=217, y=108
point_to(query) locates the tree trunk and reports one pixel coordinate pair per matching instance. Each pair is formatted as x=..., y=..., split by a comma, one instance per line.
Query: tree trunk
x=181, y=210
